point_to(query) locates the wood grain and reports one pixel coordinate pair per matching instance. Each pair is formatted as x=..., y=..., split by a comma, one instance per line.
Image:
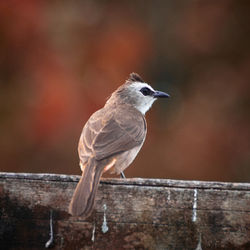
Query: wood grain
x=129, y=214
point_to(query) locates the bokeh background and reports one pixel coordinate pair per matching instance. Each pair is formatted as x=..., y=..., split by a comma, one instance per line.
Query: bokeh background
x=60, y=60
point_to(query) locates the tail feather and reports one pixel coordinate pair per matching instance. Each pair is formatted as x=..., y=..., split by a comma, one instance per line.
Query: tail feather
x=84, y=196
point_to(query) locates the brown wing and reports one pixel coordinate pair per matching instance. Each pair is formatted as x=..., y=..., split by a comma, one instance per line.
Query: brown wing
x=90, y=131
x=111, y=131
x=125, y=130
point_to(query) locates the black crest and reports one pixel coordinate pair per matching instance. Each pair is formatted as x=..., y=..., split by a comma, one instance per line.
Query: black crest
x=134, y=77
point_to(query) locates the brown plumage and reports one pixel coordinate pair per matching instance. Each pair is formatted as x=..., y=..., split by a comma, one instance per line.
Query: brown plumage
x=110, y=140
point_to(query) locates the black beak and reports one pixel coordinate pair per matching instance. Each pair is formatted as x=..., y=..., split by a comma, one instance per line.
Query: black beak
x=160, y=94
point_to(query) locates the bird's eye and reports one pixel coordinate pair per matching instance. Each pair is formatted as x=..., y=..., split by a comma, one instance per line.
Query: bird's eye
x=146, y=91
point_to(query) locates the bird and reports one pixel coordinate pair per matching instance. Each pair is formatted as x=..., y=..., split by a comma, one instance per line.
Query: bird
x=111, y=139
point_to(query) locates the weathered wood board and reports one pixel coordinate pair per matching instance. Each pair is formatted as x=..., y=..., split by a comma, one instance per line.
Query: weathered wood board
x=129, y=214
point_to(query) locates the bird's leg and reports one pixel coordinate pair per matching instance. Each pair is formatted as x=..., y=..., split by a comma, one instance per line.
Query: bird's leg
x=123, y=175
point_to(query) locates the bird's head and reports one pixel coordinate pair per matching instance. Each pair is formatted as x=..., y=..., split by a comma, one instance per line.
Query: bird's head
x=138, y=93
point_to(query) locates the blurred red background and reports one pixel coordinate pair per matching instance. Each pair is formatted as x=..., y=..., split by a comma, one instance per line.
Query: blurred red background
x=60, y=60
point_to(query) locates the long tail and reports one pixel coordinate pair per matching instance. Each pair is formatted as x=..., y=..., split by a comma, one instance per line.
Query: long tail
x=84, y=196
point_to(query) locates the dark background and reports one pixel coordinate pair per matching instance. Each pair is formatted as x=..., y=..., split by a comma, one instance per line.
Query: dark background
x=60, y=60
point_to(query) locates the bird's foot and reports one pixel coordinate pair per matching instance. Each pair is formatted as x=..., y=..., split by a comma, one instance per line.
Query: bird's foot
x=123, y=175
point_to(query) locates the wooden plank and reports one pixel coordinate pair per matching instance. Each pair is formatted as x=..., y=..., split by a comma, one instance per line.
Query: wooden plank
x=129, y=214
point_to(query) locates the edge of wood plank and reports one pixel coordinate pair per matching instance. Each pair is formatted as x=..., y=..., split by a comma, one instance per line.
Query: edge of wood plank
x=131, y=181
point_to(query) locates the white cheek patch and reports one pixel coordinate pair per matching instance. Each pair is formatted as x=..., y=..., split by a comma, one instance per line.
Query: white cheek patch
x=145, y=106
x=143, y=103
